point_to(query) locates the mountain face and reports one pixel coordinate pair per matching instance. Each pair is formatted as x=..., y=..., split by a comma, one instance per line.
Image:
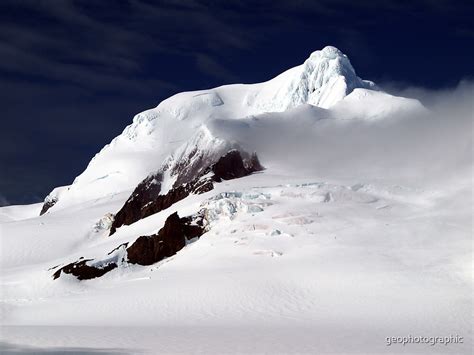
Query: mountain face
x=156, y=136
x=195, y=140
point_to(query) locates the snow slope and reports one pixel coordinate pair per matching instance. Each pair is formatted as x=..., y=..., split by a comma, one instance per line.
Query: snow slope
x=359, y=229
x=13, y=213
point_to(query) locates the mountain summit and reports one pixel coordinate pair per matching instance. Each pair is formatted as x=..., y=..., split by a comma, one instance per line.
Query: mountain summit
x=324, y=81
x=325, y=78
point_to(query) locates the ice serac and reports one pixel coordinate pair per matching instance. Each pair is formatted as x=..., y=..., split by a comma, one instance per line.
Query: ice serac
x=324, y=79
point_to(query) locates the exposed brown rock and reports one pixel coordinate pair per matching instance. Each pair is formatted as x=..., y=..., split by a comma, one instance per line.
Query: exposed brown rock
x=146, y=250
x=146, y=200
x=168, y=241
x=191, y=166
x=47, y=205
x=82, y=271
x=134, y=208
x=230, y=166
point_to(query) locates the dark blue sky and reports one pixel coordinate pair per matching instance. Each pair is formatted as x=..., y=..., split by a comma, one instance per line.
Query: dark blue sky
x=73, y=73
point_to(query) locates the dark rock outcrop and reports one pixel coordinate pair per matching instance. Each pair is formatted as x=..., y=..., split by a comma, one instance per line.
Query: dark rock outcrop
x=234, y=166
x=230, y=166
x=82, y=271
x=135, y=208
x=168, y=241
x=47, y=205
x=190, y=166
x=146, y=200
x=52, y=198
x=146, y=250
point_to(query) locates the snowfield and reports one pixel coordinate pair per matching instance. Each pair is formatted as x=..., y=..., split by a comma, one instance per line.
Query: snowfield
x=359, y=229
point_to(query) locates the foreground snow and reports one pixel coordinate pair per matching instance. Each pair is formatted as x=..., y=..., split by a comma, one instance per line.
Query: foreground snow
x=304, y=264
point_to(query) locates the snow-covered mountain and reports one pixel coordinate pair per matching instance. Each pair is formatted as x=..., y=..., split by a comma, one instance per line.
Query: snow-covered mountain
x=326, y=80
x=311, y=211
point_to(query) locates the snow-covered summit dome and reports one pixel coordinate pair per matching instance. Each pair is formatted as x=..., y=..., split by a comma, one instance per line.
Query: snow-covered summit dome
x=324, y=78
